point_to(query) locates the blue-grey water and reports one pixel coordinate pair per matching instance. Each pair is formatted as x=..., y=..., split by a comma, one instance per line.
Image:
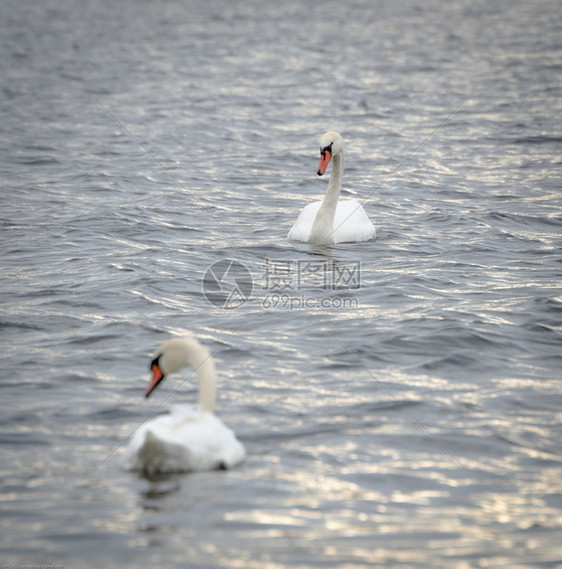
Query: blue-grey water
x=400, y=400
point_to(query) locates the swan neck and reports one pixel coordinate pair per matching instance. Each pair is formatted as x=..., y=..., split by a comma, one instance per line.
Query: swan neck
x=323, y=227
x=207, y=377
x=334, y=185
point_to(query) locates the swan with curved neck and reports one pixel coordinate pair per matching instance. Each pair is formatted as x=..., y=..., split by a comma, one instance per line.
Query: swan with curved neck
x=186, y=439
x=178, y=353
x=332, y=220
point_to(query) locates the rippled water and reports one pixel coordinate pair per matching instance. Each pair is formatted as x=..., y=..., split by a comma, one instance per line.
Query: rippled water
x=408, y=417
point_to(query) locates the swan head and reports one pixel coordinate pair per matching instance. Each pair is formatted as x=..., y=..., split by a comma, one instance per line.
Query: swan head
x=173, y=355
x=331, y=144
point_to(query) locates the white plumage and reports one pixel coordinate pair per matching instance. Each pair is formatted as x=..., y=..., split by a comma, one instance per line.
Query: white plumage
x=188, y=438
x=331, y=220
x=350, y=223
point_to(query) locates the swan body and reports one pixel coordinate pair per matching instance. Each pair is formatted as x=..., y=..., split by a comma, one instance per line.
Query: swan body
x=332, y=221
x=188, y=438
x=361, y=229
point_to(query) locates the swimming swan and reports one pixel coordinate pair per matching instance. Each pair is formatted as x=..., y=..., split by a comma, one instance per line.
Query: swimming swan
x=331, y=221
x=188, y=438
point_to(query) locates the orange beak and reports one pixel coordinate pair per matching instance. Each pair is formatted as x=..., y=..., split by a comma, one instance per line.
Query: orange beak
x=157, y=377
x=324, y=161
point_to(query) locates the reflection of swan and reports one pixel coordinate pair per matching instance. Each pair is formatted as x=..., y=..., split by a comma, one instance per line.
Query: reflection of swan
x=332, y=221
x=188, y=438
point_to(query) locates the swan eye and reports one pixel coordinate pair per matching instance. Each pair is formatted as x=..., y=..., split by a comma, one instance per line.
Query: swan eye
x=327, y=149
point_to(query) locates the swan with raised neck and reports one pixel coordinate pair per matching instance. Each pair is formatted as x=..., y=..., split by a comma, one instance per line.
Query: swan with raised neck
x=331, y=148
x=332, y=220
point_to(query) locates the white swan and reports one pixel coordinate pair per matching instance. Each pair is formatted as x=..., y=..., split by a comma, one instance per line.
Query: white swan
x=188, y=438
x=331, y=221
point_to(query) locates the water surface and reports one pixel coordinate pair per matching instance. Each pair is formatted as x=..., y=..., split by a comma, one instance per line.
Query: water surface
x=409, y=420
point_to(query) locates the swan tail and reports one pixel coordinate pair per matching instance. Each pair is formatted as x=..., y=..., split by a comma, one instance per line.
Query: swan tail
x=156, y=455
